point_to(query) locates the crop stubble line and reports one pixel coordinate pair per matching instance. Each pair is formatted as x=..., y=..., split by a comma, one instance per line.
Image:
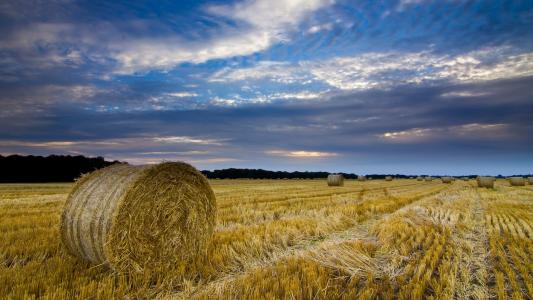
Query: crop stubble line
x=359, y=231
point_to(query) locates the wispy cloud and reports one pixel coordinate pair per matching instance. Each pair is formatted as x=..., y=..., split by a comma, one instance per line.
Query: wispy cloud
x=282, y=72
x=188, y=140
x=386, y=69
x=464, y=94
x=320, y=27
x=56, y=144
x=472, y=130
x=192, y=152
x=301, y=153
x=407, y=134
x=239, y=100
x=183, y=94
x=260, y=24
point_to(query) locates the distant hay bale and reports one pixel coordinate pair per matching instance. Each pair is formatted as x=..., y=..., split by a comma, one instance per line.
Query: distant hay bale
x=465, y=178
x=135, y=218
x=530, y=180
x=428, y=179
x=335, y=180
x=388, y=178
x=446, y=179
x=485, y=181
x=517, y=181
x=419, y=178
x=361, y=178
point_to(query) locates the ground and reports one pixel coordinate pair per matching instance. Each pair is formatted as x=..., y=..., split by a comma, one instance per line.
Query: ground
x=300, y=239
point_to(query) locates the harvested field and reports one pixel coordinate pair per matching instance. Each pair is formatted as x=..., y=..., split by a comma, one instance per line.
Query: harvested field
x=299, y=239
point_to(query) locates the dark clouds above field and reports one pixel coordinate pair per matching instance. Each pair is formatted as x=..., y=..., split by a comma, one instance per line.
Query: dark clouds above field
x=395, y=86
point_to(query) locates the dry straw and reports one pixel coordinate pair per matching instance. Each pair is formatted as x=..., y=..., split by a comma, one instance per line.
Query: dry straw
x=361, y=178
x=517, y=181
x=335, y=180
x=446, y=179
x=139, y=218
x=486, y=182
x=388, y=178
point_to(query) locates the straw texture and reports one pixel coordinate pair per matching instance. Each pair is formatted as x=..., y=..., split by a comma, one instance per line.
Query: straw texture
x=517, y=181
x=134, y=218
x=335, y=180
x=446, y=179
x=486, y=182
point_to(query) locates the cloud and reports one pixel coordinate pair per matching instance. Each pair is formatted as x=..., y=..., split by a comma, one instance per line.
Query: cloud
x=130, y=46
x=281, y=72
x=192, y=152
x=472, y=130
x=188, y=140
x=55, y=144
x=407, y=134
x=301, y=153
x=464, y=94
x=259, y=25
x=183, y=94
x=320, y=27
x=381, y=70
x=239, y=100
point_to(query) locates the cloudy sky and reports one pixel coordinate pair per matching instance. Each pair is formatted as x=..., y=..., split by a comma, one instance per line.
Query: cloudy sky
x=408, y=86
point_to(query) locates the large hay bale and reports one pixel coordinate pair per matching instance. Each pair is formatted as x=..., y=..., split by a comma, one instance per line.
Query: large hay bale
x=446, y=179
x=485, y=181
x=419, y=178
x=361, y=178
x=388, y=178
x=136, y=218
x=335, y=180
x=517, y=181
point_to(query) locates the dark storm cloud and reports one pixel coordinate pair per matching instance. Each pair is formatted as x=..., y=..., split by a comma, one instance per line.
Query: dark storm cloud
x=348, y=123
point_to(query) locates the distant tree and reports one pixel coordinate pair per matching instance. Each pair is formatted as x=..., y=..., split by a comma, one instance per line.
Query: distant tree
x=53, y=168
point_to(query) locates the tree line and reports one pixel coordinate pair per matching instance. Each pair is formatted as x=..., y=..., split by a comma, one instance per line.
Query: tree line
x=53, y=168
x=66, y=168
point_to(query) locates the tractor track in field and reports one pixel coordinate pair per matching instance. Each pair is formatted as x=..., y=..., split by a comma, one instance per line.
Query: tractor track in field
x=360, y=231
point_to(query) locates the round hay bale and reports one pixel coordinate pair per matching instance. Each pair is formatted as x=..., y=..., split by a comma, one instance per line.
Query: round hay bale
x=335, y=180
x=485, y=181
x=361, y=178
x=136, y=218
x=419, y=178
x=517, y=181
x=446, y=179
x=428, y=179
x=530, y=180
x=388, y=178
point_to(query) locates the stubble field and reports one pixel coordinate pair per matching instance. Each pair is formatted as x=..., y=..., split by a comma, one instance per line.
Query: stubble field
x=299, y=239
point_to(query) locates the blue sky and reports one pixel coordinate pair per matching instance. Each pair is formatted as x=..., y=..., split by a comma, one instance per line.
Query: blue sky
x=408, y=86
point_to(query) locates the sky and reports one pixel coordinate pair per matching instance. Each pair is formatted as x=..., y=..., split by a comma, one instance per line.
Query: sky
x=406, y=86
